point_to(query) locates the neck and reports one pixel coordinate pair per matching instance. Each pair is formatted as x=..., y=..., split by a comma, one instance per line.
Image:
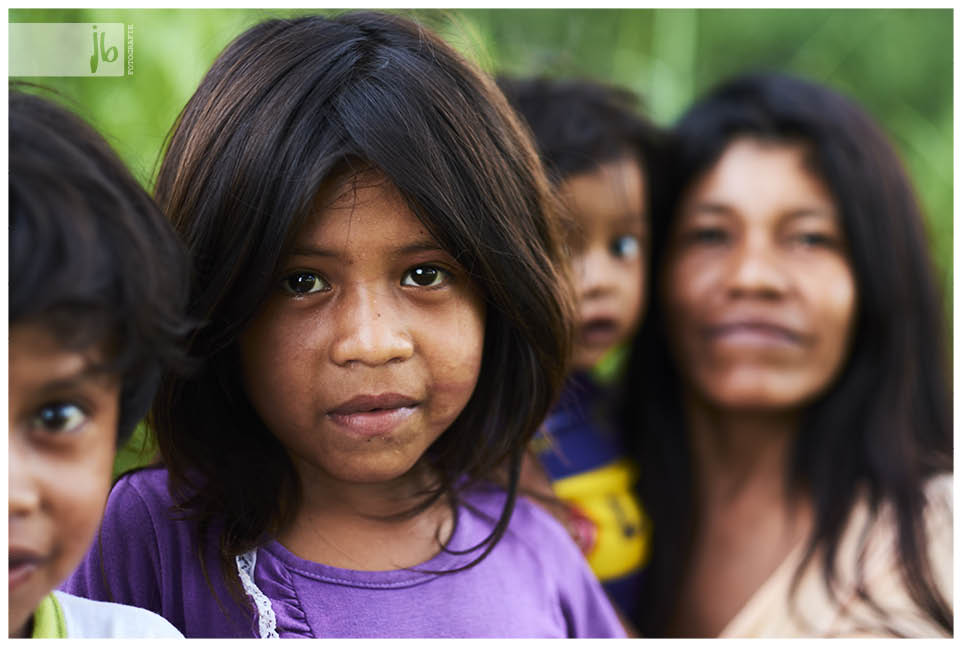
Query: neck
x=354, y=525
x=739, y=452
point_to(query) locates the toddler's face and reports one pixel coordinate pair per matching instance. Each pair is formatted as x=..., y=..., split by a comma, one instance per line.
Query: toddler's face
x=370, y=344
x=609, y=245
x=62, y=439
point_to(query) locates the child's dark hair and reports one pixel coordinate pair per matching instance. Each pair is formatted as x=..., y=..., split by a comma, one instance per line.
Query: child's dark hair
x=886, y=421
x=91, y=256
x=579, y=125
x=287, y=106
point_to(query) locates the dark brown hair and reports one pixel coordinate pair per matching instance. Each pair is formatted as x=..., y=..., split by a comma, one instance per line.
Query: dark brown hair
x=283, y=109
x=91, y=256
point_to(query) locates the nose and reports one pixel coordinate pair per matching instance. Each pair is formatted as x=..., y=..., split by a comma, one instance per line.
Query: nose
x=593, y=273
x=370, y=329
x=756, y=269
x=24, y=497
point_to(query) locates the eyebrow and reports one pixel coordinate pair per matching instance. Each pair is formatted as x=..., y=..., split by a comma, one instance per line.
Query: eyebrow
x=90, y=371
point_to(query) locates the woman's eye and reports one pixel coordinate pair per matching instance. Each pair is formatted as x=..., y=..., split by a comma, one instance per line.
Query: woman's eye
x=625, y=247
x=424, y=276
x=303, y=282
x=708, y=236
x=59, y=418
x=815, y=239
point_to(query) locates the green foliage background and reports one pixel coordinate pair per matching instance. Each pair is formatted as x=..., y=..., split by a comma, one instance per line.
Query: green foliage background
x=896, y=63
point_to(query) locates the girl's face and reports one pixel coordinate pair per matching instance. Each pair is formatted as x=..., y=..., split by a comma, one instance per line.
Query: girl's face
x=370, y=344
x=759, y=289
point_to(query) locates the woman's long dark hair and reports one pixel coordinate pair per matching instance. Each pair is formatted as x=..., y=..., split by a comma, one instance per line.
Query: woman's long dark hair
x=885, y=424
x=288, y=105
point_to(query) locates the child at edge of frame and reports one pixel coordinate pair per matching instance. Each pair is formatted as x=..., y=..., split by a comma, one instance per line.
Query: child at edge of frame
x=98, y=286
x=387, y=316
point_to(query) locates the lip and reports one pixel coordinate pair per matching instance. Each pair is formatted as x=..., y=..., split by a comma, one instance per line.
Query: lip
x=22, y=565
x=599, y=331
x=755, y=332
x=373, y=415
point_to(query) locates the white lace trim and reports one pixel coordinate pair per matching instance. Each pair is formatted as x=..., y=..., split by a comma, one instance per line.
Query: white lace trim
x=266, y=620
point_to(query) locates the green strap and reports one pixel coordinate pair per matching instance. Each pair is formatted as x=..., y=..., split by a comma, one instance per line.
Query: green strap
x=48, y=620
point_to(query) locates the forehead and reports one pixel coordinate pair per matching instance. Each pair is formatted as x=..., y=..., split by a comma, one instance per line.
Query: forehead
x=38, y=356
x=754, y=174
x=615, y=190
x=360, y=214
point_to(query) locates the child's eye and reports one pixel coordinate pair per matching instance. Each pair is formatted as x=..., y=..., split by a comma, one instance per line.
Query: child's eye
x=303, y=282
x=59, y=418
x=625, y=247
x=424, y=276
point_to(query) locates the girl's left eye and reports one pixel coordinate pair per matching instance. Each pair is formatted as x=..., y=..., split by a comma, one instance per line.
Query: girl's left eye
x=625, y=247
x=303, y=282
x=59, y=418
x=424, y=276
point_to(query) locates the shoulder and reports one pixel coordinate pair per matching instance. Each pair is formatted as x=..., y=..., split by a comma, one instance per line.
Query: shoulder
x=149, y=484
x=85, y=618
x=531, y=528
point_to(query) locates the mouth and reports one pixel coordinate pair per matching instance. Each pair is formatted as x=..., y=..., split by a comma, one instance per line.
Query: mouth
x=598, y=332
x=373, y=415
x=22, y=565
x=755, y=334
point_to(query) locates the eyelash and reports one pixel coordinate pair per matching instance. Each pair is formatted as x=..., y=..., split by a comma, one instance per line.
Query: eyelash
x=318, y=283
x=302, y=275
x=443, y=276
x=47, y=412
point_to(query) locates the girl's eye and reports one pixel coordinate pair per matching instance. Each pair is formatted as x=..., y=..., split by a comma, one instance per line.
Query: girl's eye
x=60, y=418
x=424, y=276
x=625, y=247
x=303, y=282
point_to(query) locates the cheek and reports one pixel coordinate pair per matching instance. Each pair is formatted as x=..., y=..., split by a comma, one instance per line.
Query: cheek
x=837, y=297
x=453, y=344
x=77, y=493
x=276, y=358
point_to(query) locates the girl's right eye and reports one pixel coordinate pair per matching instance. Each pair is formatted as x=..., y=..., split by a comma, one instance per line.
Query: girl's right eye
x=304, y=282
x=59, y=418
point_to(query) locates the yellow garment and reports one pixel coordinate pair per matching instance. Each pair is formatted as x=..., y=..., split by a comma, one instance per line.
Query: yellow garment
x=810, y=612
x=48, y=620
x=604, y=496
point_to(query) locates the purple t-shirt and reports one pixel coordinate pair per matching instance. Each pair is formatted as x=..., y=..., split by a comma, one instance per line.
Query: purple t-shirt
x=535, y=583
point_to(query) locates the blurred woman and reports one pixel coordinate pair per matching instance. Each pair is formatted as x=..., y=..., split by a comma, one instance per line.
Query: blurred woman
x=789, y=389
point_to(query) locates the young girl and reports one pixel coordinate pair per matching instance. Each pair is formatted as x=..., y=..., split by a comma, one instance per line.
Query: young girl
x=387, y=319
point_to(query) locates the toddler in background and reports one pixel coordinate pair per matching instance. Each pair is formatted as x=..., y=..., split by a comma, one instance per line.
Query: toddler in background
x=387, y=317
x=97, y=289
x=600, y=154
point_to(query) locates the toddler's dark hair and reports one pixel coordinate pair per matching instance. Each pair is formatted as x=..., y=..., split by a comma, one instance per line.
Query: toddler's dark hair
x=92, y=258
x=579, y=124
